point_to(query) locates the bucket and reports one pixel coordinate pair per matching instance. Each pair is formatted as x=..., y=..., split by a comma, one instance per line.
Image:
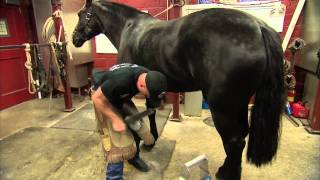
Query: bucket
x=205, y=105
x=299, y=111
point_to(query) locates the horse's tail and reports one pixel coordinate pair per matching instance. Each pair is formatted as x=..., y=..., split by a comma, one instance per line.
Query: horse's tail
x=269, y=103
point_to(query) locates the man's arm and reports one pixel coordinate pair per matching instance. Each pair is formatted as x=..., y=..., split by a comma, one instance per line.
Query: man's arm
x=104, y=106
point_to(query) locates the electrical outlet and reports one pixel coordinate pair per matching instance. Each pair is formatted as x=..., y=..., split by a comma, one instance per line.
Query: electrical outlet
x=176, y=1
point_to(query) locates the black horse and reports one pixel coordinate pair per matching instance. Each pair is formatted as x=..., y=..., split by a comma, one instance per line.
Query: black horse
x=227, y=54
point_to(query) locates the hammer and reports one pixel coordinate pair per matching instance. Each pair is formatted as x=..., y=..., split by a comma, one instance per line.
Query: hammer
x=133, y=121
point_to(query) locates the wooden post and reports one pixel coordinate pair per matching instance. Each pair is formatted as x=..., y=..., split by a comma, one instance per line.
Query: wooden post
x=56, y=5
x=173, y=14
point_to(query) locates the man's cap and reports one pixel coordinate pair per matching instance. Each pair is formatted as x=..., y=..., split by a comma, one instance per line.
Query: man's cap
x=157, y=85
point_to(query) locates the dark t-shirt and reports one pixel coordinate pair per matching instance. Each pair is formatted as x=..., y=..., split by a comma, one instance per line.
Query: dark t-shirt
x=118, y=84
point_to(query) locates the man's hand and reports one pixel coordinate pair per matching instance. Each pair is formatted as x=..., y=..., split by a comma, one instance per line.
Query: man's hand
x=103, y=105
x=118, y=126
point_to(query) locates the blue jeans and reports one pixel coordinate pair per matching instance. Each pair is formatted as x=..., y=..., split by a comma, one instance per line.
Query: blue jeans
x=114, y=171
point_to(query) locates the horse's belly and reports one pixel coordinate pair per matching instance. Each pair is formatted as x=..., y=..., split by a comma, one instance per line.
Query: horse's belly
x=181, y=87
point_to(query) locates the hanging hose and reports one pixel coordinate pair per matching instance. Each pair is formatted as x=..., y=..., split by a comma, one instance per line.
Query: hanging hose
x=32, y=84
x=173, y=4
x=48, y=34
x=54, y=78
x=167, y=9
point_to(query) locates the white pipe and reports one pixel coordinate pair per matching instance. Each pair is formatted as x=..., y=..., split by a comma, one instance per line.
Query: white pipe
x=292, y=24
x=196, y=161
x=168, y=10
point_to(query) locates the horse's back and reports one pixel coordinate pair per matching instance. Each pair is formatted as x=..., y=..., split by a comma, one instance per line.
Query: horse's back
x=223, y=43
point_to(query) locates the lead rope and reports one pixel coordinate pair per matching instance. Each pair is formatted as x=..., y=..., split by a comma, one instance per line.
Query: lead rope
x=167, y=9
x=32, y=84
x=173, y=4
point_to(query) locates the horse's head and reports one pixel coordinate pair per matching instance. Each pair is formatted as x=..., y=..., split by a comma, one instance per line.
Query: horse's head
x=88, y=25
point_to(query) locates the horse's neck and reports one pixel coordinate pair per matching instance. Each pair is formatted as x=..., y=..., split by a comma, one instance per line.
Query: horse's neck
x=114, y=19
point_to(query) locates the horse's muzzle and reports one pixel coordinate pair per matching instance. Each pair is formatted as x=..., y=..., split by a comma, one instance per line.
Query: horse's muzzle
x=77, y=39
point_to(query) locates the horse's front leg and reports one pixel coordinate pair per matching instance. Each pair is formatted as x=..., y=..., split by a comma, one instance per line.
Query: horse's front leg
x=232, y=126
x=153, y=127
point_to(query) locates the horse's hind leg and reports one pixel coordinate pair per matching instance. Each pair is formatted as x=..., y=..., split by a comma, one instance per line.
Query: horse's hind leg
x=232, y=125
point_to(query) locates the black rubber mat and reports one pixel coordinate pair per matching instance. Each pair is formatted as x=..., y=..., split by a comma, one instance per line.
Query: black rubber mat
x=208, y=121
x=84, y=119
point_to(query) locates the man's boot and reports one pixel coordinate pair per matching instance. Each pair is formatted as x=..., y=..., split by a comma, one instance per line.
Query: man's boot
x=138, y=163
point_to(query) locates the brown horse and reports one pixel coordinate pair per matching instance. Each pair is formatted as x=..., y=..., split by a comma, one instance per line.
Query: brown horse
x=227, y=54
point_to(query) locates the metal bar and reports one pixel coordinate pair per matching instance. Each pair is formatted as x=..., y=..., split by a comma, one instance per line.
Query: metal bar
x=292, y=120
x=22, y=46
x=309, y=71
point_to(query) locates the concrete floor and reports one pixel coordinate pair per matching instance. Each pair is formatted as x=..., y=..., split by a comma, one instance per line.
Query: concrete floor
x=298, y=157
x=34, y=145
x=40, y=144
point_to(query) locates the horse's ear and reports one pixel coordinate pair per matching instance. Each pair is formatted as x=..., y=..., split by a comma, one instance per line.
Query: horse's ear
x=88, y=3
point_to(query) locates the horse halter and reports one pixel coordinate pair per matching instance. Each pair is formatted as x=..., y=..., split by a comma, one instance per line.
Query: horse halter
x=161, y=95
x=88, y=16
x=87, y=29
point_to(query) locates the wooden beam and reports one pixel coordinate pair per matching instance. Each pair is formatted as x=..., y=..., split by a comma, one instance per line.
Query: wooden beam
x=175, y=108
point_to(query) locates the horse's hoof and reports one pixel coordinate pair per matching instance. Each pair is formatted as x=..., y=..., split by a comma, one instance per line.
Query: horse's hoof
x=219, y=176
x=222, y=174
